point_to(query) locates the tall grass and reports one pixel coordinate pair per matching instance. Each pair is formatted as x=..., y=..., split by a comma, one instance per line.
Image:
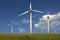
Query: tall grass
x=29, y=37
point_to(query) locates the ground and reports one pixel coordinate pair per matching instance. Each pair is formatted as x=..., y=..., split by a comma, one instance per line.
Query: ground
x=29, y=36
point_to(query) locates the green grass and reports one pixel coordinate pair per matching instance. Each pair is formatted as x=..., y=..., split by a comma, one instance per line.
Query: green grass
x=29, y=37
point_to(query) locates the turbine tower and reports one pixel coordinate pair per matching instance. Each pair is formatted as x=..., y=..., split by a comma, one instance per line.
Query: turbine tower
x=55, y=31
x=48, y=22
x=12, y=25
x=30, y=15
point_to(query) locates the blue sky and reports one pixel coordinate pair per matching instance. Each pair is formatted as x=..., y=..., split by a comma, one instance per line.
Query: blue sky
x=10, y=9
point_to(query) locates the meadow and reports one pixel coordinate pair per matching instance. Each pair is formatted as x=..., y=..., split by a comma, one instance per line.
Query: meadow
x=29, y=36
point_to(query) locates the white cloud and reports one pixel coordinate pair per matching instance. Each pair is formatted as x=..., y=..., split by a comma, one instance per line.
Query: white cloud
x=54, y=21
x=45, y=17
x=57, y=16
x=36, y=25
x=40, y=19
x=25, y=21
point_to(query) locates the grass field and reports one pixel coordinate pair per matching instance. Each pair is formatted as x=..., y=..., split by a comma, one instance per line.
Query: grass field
x=29, y=37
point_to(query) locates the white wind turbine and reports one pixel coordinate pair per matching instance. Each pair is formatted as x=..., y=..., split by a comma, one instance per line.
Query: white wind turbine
x=55, y=31
x=30, y=10
x=48, y=17
x=55, y=26
x=21, y=30
x=12, y=25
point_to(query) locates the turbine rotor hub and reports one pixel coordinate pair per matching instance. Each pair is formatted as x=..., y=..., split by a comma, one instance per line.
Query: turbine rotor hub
x=31, y=11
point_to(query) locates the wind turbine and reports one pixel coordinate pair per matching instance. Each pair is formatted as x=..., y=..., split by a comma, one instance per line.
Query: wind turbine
x=41, y=30
x=21, y=30
x=55, y=31
x=30, y=10
x=12, y=25
x=48, y=17
x=55, y=27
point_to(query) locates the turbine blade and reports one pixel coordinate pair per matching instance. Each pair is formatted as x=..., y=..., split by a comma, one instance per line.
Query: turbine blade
x=37, y=11
x=16, y=24
x=23, y=13
x=48, y=13
x=30, y=5
x=57, y=24
x=9, y=24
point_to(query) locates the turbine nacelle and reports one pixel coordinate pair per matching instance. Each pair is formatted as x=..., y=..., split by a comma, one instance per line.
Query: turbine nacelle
x=48, y=17
x=31, y=11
